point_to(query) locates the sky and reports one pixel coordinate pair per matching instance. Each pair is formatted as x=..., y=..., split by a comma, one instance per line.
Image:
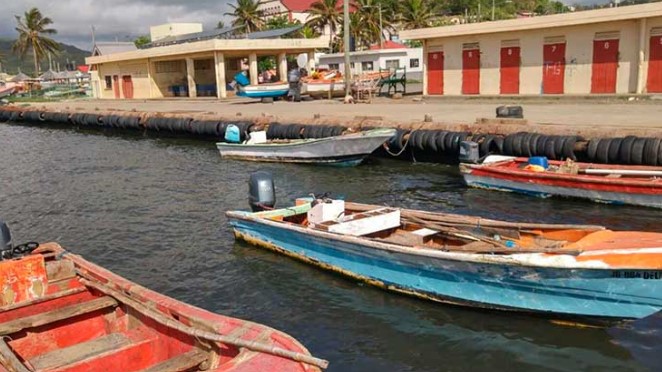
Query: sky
x=122, y=20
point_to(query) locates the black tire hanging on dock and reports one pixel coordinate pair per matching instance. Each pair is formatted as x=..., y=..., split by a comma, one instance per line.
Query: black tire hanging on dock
x=440, y=138
x=659, y=155
x=625, y=152
x=517, y=143
x=431, y=141
x=4, y=116
x=602, y=153
x=15, y=116
x=559, y=143
x=592, y=148
x=569, y=147
x=651, y=149
x=527, y=151
x=614, y=150
x=395, y=143
x=339, y=129
x=508, y=144
x=533, y=144
x=637, y=154
x=549, y=148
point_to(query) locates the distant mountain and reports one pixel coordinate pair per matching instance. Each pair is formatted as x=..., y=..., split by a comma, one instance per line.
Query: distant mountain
x=12, y=63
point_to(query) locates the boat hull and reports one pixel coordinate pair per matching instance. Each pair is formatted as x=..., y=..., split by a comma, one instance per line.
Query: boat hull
x=347, y=150
x=544, y=185
x=323, y=89
x=597, y=293
x=263, y=91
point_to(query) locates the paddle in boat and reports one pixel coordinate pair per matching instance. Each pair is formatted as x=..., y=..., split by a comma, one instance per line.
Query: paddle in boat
x=613, y=184
x=59, y=312
x=559, y=271
x=344, y=150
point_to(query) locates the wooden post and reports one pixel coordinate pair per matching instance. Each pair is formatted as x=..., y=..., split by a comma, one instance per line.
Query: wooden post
x=219, y=63
x=282, y=66
x=425, y=67
x=190, y=77
x=641, y=57
x=252, y=68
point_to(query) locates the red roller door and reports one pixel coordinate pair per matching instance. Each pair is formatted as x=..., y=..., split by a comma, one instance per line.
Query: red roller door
x=553, y=72
x=605, y=66
x=654, y=83
x=436, y=73
x=471, y=71
x=127, y=86
x=510, y=64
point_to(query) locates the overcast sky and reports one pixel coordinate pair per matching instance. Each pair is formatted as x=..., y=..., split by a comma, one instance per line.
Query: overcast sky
x=120, y=19
x=112, y=19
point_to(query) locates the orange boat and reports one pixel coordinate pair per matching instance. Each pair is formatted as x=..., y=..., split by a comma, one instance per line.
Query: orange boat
x=59, y=312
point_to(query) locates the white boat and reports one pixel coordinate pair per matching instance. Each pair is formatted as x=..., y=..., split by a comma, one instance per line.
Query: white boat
x=263, y=90
x=322, y=88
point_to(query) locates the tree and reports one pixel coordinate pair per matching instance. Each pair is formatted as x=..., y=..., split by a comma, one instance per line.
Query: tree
x=32, y=31
x=371, y=22
x=323, y=14
x=278, y=22
x=247, y=15
x=416, y=14
x=141, y=41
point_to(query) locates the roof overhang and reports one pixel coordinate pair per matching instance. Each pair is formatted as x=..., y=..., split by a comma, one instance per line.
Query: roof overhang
x=368, y=52
x=625, y=13
x=220, y=45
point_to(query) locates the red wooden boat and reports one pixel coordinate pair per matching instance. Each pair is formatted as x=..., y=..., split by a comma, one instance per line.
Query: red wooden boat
x=59, y=312
x=614, y=184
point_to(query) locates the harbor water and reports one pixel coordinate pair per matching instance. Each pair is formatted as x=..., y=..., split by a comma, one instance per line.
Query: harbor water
x=152, y=210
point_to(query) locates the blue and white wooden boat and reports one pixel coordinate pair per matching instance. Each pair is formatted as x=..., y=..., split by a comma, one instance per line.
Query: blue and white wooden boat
x=268, y=90
x=345, y=150
x=560, y=271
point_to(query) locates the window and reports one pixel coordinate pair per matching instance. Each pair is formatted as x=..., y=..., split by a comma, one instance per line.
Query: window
x=392, y=63
x=414, y=63
x=334, y=66
x=169, y=66
x=109, y=82
x=366, y=66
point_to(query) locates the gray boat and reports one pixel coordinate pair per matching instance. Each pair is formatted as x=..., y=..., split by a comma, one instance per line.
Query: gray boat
x=345, y=150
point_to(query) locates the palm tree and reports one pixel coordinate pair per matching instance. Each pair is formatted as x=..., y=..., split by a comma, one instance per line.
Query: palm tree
x=32, y=31
x=416, y=14
x=369, y=14
x=323, y=13
x=247, y=15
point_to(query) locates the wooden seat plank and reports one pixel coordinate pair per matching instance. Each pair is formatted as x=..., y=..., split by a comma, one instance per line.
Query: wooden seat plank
x=182, y=362
x=65, y=312
x=80, y=352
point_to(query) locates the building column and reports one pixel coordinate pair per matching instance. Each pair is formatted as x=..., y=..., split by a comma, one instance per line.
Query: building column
x=252, y=68
x=149, y=78
x=190, y=77
x=641, y=57
x=425, y=67
x=311, y=62
x=219, y=65
x=282, y=66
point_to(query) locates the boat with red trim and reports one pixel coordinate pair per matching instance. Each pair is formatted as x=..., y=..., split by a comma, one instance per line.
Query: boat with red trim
x=605, y=183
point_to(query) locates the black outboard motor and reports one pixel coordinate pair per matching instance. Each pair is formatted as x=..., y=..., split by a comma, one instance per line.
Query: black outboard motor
x=294, y=79
x=261, y=190
x=5, y=237
x=469, y=152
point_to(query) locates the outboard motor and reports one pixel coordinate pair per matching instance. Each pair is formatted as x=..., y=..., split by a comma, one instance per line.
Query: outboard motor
x=5, y=237
x=469, y=152
x=261, y=190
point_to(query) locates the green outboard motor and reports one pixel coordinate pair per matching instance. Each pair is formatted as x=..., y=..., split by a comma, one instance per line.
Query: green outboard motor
x=261, y=190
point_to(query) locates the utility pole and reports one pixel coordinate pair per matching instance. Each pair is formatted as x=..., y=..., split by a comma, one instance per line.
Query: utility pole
x=348, y=71
x=493, y=10
x=381, y=28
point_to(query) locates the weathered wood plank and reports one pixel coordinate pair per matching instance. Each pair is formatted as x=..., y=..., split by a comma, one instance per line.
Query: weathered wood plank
x=79, y=352
x=9, y=360
x=60, y=270
x=66, y=312
x=182, y=362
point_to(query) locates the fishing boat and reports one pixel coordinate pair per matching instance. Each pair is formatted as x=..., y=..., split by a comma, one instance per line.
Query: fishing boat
x=59, y=312
x=559, y=271
x=267, y=90
x=324, y=88
x=344, y=150
x=6, y=89
x=613, y=184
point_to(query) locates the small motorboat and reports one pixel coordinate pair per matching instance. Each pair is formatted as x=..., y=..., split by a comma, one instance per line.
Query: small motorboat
x=605, y=183
x=267, y=90
x=59, y=312
x=344, y=150
x=324, y=84
x=558, y=271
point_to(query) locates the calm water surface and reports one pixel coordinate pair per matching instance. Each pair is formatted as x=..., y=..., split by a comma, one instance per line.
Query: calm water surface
x=152, y=210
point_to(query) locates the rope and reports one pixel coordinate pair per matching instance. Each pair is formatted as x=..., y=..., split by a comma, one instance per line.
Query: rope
x=403, y=147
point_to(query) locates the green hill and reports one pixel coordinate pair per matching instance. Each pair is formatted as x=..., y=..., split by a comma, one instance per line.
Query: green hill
x=11, y=62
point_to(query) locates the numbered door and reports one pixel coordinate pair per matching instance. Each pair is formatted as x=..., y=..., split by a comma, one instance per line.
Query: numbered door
x=127, y=86
x=116, y=86
x=654, y=83
x=471, y=71
x=605, y=66
x=510, y=65
x=553, y=73
x=436, y=73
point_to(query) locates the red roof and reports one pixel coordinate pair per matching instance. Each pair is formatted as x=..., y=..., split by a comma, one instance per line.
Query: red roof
x=388, y=44
x=83, y=68
x=302, y=6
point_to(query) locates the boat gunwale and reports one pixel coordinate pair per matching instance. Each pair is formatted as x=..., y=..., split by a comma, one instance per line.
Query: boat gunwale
x=515, y=259
x=373, y=133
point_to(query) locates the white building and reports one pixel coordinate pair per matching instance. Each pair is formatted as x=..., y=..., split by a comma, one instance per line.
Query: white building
x=392, y=55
